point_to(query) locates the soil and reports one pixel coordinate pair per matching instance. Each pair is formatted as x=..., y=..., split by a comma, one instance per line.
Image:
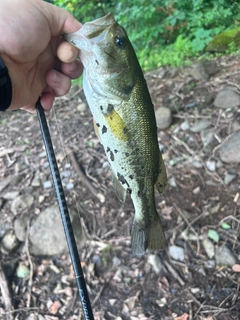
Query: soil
x=120, y=285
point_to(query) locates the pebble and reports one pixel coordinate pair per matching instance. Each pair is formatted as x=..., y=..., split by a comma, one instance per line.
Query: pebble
x=116, y=261
x=209, y=264
x=156, y=263
x=9, y=242
x=42, y=154
x=4, y=227
x=229, y=178
x=224, y=256
x=163, y=118
x=197, y=164
x=20, y=226
x=22, y=202
x=47, y=184
x=10, y=195
x=229, y=151
x=82, y=107
x=206, y=137
x=211, y=165
x=227, y=98
x=200, y=126
x=66, y=173
x=69, y=186
x=172, y=182
x=36, y=179
x=176, y=253
x=208, y=247
x=185, y=126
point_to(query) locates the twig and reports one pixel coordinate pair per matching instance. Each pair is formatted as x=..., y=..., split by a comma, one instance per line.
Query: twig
x=174, y=273
x=184, y=144
x=30, y=281
x=98, y=295
x=83, y=177
x=5, y=293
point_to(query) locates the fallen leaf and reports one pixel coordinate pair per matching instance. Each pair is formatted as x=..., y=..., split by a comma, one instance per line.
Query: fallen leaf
x=55, y=306
x=183, y=317
x=236, y=268
x=212, y=234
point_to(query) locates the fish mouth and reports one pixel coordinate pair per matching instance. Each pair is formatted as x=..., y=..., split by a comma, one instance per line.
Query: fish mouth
x=91, y=33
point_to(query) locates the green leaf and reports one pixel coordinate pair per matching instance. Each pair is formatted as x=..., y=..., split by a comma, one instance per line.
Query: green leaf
x=22, y=271
x=212, y=234
x=225, y=226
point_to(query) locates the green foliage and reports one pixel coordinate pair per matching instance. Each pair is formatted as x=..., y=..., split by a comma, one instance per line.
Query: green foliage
x=163, y=31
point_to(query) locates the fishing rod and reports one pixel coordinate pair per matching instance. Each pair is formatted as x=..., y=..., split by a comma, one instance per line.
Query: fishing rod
x=66, y=221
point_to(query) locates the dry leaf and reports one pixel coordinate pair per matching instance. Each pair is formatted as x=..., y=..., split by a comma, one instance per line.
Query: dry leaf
x=183, y=317
x=236, y=268
x=55, y=306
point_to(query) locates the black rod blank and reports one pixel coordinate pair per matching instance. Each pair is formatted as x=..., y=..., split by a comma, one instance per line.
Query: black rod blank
x=67, y=225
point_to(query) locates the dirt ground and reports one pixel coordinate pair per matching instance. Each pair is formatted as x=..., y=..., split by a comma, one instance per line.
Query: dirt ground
x=122, y=286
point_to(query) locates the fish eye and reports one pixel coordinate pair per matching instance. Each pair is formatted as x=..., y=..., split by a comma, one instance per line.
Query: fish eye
x=120, y=41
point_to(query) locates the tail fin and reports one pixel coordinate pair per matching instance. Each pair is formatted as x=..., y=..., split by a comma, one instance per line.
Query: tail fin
x=145, y=237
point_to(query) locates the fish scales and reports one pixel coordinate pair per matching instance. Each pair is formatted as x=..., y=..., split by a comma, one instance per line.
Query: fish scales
x=125, y=123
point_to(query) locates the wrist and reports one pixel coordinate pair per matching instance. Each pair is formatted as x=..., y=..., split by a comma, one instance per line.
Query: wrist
x=5, y=87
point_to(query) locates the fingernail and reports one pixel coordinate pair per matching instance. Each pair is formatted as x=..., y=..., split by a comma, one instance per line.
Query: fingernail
x=73, y=67
x=56, y=77
x=72, y=55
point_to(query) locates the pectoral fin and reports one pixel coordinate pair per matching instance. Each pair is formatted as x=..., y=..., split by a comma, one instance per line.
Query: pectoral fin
x=162, y=176
x=119, y=189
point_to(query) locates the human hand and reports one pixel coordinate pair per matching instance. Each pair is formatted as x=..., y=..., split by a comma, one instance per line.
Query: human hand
x=38, y=60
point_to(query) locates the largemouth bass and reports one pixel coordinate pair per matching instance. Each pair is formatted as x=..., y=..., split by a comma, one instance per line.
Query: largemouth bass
x=125, y=123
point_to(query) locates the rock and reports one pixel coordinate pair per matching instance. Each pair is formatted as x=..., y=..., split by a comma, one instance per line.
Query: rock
x=69, y=186
x=11, y=195
x=82, y=107
x=163, y=118
x=206, y=137
x=172, y=182
x=204, y=69
x=227, y=98
x=222, y=41
x=36, y=179
x=200, y=126
x=224, y=256
x=20, y=226
x=229, y=178
x=4, y=227
x=22, y=202
x=208, y=247
x=47, y=184
x=185, y=125
x=47, y=235
x=9, y=242
x=229, y=151
x=177, y=253
x=197, y=164
x=156, y=263
x=211, y=165
x=116, y=261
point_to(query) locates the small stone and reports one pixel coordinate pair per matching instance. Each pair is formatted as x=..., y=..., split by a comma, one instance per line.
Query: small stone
x=185, y=126
x=22, y=202
x=229, y=151
x=197, y=164
x=156, y=263
x=47, y=184
x=11, y=195
x=42, y=154
x=116, y=261
x=200, y=125
x=229, y=178
x=36, y=179
x=227, y=98
x=22, y=271
x=208, y=247
x=20, y=226
x=196, y=190
x=9, y=242
x=163, y=118
x=177, y=253
x=66, y=174
x=69, y=186
x=211, y=165
x=206, y=137
x=82, y=107
x=203, y=70
x=224, y=257
x=210, y=264
x=4, y=227
x=172, y=182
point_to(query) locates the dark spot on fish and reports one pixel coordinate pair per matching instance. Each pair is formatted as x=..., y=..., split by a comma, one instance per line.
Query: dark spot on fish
x=98, y=125
x=131, y=176
x=111, y=156
x=97, y=62
x=129, y=191
x=125, y=131
x=104, y=129
x=108, y=149
x=127, y=154
x=115, y=150
x=141, y=192
x=137, y=149
x=121, y=178
x=101, y=108
x=142, y=167
x=110, y=118
x=109, y=108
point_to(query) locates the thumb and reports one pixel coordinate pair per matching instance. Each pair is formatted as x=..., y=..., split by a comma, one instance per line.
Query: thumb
x=60, y=20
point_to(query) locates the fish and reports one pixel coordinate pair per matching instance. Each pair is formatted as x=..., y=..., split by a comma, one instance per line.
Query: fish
x=124, y=121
